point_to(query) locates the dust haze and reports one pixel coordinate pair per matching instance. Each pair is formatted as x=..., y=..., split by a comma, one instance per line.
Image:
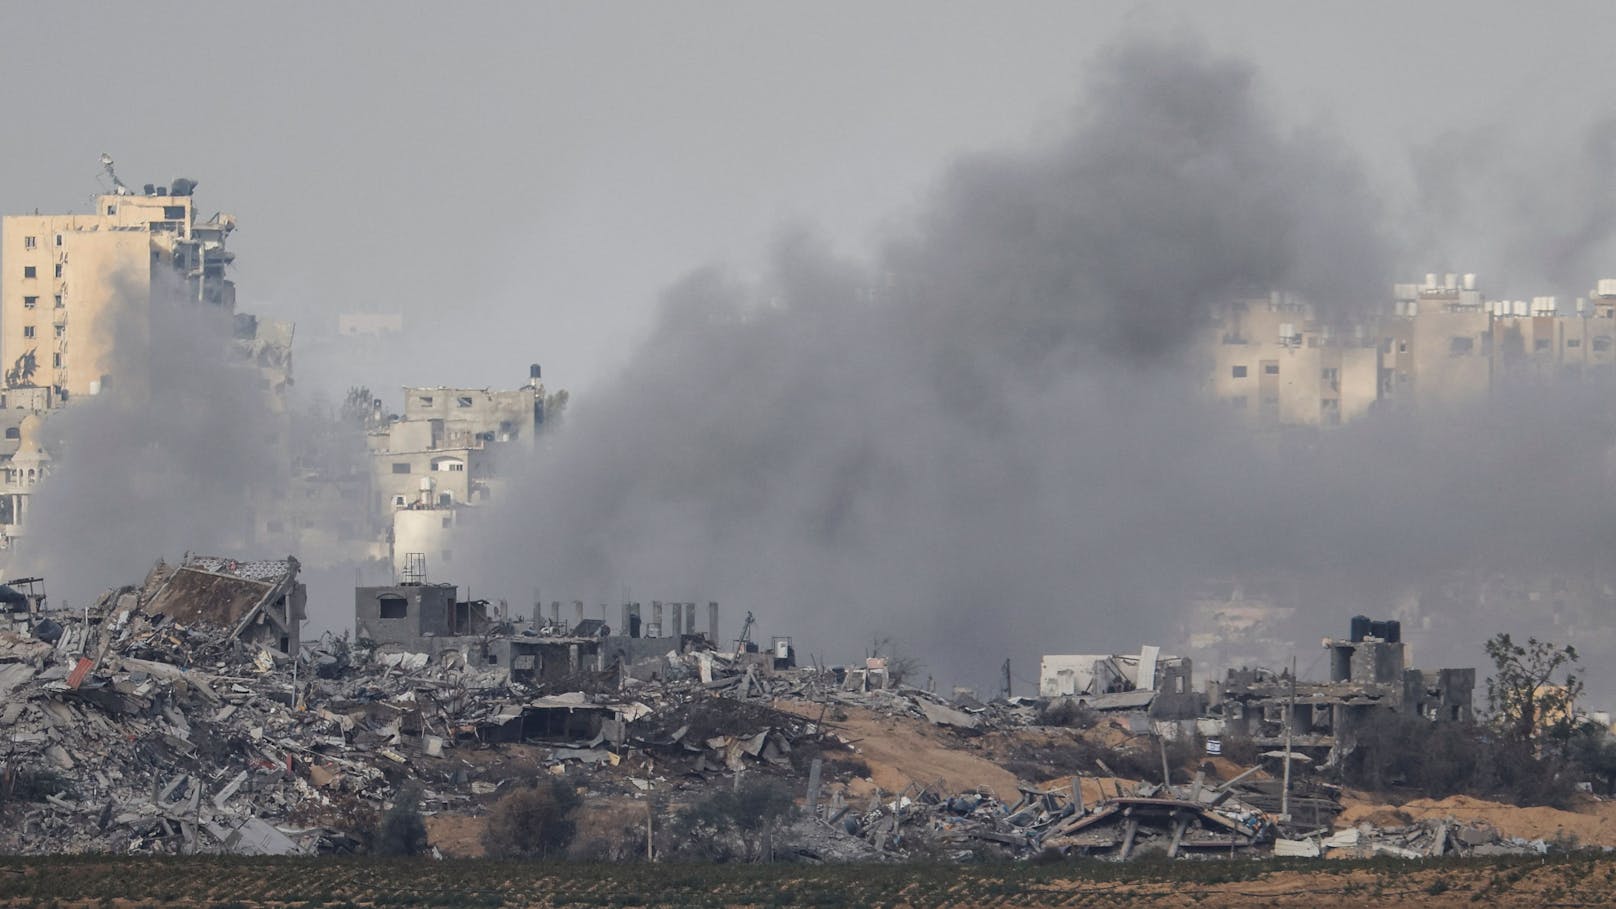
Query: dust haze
x=985, y=435
x=986, y=439
x=168, y=461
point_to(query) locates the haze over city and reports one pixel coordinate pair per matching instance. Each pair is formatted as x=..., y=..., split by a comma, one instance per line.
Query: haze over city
x=872, y=335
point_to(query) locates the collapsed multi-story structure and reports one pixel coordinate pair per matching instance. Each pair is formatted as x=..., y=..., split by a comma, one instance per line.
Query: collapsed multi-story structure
x=1368, y=673
x=258, y=601
x=1160, y=685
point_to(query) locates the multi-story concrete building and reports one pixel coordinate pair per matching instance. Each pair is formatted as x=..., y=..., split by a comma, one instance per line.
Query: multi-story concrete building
x=1278, y=364
x=76, y=314
x=73, y=285
x=1441, y=343
x=439, y=456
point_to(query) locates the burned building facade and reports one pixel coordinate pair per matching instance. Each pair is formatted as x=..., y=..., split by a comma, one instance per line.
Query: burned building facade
x=1368, y=673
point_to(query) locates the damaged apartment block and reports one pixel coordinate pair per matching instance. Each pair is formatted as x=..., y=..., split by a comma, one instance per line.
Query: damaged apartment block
x=1368, y=672
x=416, y=616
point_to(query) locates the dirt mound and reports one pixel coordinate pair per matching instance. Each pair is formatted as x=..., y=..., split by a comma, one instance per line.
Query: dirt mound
x=900, y=751
x=1593, y=824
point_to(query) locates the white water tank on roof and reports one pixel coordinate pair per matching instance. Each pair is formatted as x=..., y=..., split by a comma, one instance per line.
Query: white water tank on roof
x=1450, y=281
x=1606, y=287
x=1470, y=281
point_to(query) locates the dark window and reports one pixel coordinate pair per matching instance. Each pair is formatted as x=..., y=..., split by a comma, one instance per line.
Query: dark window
x=61, y=330
x=28, y=331
x=112, y=209
x=56, y=360
x=12, y=433
x=425, y=401
x=1460, y=346
x=463, y=401
x=1541, y=344
x=400, y=467
x=58, y=239
x=58, y=301
x=1574, y=342
x=28, y=271
x=174, y=212
x=1239, y=372
x=30, y=302
x=394, y=607
x=1602, y=343
x=58, y=269
x=30, y=242
x=1270, y=369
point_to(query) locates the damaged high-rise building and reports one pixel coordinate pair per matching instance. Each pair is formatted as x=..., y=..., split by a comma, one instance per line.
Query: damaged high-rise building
x=77, y=290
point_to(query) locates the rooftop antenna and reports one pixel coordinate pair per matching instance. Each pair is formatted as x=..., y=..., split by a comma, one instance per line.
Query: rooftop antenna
x=117, y=185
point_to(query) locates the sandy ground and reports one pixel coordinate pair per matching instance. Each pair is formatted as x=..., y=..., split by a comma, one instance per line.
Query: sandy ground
x=1592, y=824
x=456, y=835
x=901, y=751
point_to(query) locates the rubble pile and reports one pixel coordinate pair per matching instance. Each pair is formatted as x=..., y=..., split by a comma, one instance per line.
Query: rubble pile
x=176, y=717
x=136, y=733
x=1428, y=839
x=1152, y=818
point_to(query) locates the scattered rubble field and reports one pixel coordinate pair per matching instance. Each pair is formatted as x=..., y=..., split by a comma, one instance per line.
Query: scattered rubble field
x=1593, y=824
x=211, y=881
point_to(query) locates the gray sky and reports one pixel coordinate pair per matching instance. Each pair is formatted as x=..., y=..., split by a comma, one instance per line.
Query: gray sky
x=547, y=169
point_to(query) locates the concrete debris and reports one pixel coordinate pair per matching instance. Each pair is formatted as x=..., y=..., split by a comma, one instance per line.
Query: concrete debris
x=1428, y=839
x=202, y=726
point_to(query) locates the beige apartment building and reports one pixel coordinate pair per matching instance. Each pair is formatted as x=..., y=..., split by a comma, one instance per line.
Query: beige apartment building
x=73, y=286
x=1441, y=343
x=1277, y=364
x=440, y=457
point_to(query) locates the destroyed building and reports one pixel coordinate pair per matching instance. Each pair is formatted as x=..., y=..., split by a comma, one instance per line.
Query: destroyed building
x=1162, y=686
x=260, y=601
x=1368, y=673
x=417, y=616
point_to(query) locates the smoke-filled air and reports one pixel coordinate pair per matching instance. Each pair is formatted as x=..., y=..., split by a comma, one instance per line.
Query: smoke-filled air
x=989, y=434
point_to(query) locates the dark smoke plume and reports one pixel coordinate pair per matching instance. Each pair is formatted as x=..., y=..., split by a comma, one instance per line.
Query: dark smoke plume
x=987, y=439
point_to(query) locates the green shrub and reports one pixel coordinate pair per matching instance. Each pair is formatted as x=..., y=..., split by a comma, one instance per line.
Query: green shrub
x=532, y=822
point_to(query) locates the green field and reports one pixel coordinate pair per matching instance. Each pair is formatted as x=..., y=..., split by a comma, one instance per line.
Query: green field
x=122, y=882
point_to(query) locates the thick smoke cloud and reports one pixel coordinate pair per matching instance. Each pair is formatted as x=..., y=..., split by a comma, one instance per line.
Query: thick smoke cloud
x=987, y=439
x=170, y=458
x=1537, y=211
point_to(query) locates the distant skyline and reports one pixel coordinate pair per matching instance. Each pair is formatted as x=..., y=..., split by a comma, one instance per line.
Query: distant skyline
x=524, y=180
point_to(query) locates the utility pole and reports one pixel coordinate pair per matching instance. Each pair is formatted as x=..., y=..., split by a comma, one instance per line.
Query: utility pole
x=1290, y=711
x=1007, y=678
